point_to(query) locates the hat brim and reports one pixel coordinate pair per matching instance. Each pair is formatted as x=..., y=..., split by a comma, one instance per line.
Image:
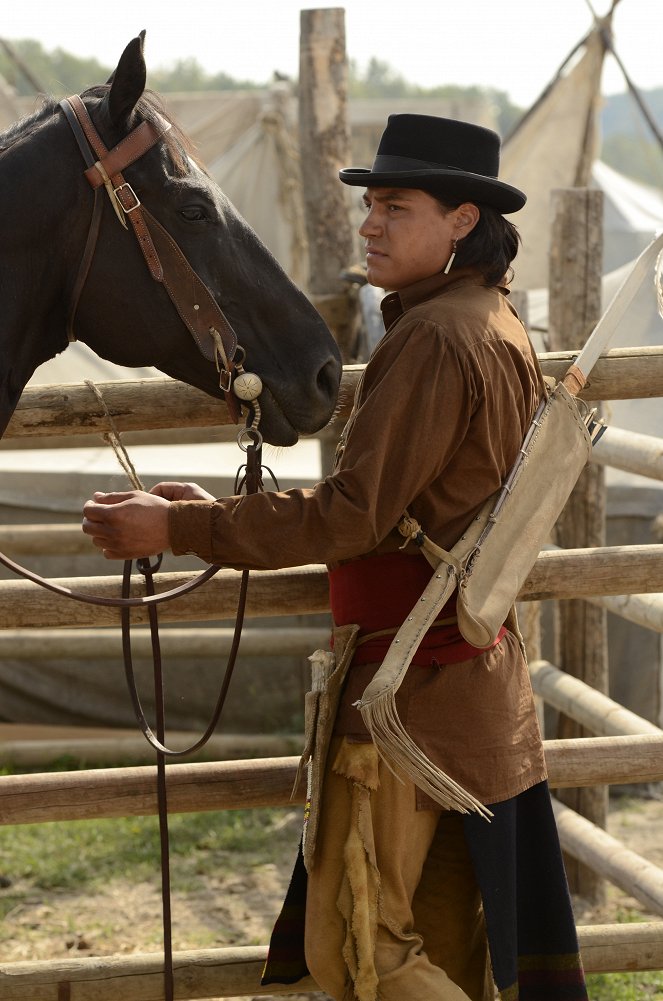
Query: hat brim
x=456, y=184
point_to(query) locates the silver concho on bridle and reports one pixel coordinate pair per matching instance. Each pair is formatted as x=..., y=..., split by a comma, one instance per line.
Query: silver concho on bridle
x=247, y=387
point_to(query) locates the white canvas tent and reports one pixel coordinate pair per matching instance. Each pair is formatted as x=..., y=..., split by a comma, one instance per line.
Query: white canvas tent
x=553, y=146
x=260, y=175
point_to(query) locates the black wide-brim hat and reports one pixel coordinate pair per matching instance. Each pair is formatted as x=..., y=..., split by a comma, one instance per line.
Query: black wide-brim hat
x=447, y=158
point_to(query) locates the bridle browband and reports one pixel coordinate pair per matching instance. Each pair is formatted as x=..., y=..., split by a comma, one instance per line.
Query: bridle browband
x=195, y=304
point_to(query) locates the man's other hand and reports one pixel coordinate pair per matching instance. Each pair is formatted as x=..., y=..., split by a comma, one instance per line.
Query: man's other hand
x=127, y=525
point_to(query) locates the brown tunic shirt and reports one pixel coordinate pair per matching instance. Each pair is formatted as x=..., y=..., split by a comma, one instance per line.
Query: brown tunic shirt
x=439, y=416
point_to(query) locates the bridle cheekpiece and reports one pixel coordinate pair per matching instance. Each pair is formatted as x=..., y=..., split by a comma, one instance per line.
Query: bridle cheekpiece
x=197, y=307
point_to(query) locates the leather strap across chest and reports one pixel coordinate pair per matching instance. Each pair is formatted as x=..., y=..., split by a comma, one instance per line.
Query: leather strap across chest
x=166, y=262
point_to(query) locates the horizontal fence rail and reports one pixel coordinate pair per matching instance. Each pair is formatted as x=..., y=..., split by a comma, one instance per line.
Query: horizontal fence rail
x=630, y=451
x=610, y=858
x=268, y=782
x=562, y=573
x=88, y=644
x=642, y=609
x=150, y=404
x=582, y=703
x=64, y=539
x=236, y=971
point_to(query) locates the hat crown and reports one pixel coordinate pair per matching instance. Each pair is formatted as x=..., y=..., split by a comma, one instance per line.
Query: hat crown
x=441, y=142
x=454, y=161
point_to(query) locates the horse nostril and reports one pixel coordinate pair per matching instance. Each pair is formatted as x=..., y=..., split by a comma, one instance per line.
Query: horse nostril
x=328, y=379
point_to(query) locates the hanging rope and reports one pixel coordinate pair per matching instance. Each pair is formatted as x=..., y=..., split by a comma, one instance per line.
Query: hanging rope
x=112, y=437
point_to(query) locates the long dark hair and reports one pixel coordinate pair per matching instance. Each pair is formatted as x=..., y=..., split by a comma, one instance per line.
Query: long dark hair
x=490, y=246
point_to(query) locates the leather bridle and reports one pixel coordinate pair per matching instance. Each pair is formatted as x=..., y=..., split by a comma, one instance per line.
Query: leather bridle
x=197, y=307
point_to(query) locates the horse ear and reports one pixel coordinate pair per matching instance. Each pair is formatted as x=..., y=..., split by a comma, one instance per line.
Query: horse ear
x=127, y=82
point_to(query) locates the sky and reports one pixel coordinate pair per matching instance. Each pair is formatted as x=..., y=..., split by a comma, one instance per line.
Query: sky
x=513, y=45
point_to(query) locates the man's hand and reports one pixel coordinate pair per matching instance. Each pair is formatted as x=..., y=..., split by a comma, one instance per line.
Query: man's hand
x=127, y=525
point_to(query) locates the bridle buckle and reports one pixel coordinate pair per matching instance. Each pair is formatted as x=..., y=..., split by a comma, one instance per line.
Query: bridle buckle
x=126, y=189
x=225, y=379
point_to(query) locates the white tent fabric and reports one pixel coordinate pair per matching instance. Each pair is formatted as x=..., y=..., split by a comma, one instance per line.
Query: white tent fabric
x=215, y=120
x=245, y=139
x=78, y=362
x=260, y=175
x=553, y=147
x=632, y=215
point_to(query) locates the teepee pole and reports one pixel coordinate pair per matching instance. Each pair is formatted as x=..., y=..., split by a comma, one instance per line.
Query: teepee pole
x=609, y=44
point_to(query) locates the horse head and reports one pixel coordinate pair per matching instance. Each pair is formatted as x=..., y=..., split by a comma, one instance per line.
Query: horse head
x=108, y=297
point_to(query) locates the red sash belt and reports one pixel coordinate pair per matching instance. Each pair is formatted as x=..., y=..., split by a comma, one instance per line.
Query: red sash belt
x=379, y=592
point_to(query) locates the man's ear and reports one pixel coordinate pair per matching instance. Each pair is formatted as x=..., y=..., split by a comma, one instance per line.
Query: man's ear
x=467, y=216
x=127, y=83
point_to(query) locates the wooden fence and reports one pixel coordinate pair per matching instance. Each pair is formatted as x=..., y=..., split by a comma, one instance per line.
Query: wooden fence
x=627, y=749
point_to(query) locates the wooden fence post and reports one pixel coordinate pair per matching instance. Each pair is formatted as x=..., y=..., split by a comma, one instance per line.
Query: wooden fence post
x=324, y=139
x=574, y=309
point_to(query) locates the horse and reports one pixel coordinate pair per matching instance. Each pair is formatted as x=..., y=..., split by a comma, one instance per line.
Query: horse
x=70, y=272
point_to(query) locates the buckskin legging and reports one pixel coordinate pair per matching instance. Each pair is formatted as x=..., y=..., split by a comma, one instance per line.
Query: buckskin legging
x=393, y=910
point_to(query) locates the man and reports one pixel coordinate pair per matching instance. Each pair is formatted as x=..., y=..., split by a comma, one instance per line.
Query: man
x=407, y=899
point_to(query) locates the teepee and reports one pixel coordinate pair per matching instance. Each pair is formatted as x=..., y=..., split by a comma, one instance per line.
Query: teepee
x=554, y=146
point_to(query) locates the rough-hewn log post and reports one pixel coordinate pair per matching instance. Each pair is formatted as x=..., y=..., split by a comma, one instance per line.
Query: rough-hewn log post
x=324, y=137
x=575, y=307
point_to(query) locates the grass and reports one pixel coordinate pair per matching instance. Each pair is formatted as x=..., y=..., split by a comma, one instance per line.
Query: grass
x=86, y=856
x=641, y=986
x=625, y=986
x=75, y=855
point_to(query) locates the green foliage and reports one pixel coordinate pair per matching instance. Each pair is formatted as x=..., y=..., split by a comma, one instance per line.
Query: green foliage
x=380, y=80
x=188, y=75
x=629, y=144
x=59, y=73
x=634, y=156
x=621, y=114
x=56, y=72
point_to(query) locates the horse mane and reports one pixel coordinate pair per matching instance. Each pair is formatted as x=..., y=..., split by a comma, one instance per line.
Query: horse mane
x=149, y=107
x=24, y=127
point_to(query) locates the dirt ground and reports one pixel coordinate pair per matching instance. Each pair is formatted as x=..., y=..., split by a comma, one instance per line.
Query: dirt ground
x=239, y=909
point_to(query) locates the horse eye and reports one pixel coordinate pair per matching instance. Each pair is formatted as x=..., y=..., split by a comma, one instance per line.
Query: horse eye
x=193, y=213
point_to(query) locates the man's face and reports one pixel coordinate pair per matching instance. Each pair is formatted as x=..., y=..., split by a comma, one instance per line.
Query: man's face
x=408, y=236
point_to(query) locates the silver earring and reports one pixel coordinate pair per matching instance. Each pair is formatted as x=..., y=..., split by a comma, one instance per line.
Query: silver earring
x=452, y=258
